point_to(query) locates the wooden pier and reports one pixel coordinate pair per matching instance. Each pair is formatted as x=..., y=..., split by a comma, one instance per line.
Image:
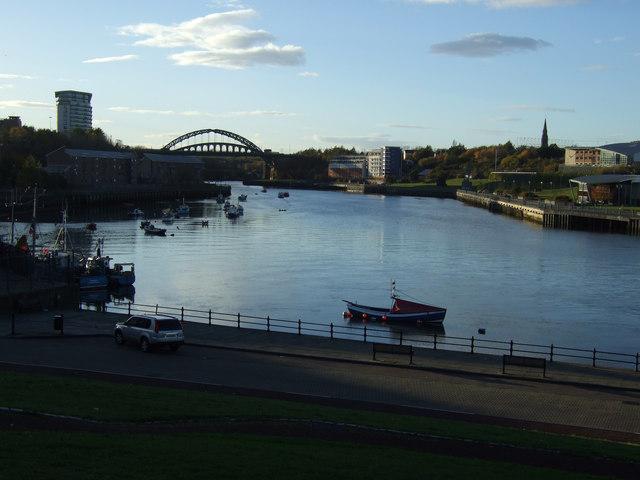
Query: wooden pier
x=570, y=217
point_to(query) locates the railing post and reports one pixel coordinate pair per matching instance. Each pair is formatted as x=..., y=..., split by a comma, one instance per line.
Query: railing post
x=182, y=314
x=331, y=330
x=129, y=310
x=268, y=324
x=511, y=347
x=238, y=320
x=473, y=343
x=551, y=354
x=13, y=331
x=209, y=316
x=156, y=308
x=594, y=357
x=365, y=334
x=435, y=341
x=400, y=337
x=637, y=362
x=299, y=327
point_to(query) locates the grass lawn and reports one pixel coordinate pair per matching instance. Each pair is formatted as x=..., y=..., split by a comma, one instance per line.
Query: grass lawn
x=556, y=192
x=105, y=401
x=56, y=455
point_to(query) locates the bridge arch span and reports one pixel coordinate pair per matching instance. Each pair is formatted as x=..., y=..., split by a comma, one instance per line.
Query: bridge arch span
x=243, y=145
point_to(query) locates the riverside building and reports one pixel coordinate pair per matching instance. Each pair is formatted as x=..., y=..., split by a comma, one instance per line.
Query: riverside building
x=384, y=163
x=348, y=168
x=593, y=157
x=74, y=110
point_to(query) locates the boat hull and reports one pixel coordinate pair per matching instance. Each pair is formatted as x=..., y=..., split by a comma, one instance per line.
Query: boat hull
x=433, y=317
x=93, y=282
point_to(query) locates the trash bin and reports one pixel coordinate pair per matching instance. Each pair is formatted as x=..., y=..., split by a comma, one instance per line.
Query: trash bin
x=58, y=322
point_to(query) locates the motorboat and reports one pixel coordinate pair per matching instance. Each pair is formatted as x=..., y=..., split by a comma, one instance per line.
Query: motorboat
x=264, y=189
x=283, y=194
x=242, y=198
x=144, y=223
x=153, y=230
x=402, y=311
x=232, y=212
x=94, y=276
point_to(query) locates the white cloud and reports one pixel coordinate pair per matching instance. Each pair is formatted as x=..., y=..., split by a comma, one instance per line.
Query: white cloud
x=101, y=121
x=309, y=74
x=361, y=142
x=479, y=45
x=508, y=119
x=14, y=76
x=600, y=41
x=596, y=67
x=217, y=40
x=540, y=108
x=197, y=113
x=408, y=126
x=501, y=3
x=119, y=58
x=6, y=86
x=24, y=104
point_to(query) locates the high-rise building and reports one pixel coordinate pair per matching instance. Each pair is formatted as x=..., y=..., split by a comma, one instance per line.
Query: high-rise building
x=544, y=143
x=74, y=110
x=385, y=163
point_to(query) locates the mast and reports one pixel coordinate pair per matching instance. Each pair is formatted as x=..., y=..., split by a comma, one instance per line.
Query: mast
x=33, y=220
x=393, y=289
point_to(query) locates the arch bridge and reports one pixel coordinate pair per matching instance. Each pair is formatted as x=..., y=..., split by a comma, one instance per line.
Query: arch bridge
x=199, y=141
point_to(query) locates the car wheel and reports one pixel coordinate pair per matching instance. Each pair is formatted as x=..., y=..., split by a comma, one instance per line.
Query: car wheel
x=144, y=345
x=174, y=348
x=119, y=338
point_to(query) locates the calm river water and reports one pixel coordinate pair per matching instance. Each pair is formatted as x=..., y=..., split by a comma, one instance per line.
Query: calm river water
x=515, y=279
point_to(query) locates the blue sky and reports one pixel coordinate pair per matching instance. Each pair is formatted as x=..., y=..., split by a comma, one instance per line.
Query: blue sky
x=289, y=75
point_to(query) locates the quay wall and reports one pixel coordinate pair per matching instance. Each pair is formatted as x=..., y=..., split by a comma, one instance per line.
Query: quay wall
x=568, y=217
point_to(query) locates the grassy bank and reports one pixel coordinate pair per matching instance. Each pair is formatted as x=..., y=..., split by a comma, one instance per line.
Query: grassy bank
x=115, y=402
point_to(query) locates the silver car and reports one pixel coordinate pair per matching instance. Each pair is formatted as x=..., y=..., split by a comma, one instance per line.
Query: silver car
x=149, y=331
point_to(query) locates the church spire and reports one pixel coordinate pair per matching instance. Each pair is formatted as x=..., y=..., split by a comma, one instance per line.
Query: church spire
x=545, y=137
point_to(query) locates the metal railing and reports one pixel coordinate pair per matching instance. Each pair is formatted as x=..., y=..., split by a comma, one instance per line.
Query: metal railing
x=366, y=333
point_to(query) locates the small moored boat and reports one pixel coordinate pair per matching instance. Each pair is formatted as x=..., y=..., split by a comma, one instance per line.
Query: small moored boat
x=153, y=230
x=402, y=311
x=242, y=198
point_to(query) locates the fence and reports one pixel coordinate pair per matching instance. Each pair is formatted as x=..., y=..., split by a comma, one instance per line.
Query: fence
x=367, y=333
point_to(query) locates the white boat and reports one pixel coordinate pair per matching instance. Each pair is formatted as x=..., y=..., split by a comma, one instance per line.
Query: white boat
x=242, y=198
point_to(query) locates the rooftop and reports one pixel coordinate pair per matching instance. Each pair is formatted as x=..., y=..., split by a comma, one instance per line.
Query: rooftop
x=74, y=152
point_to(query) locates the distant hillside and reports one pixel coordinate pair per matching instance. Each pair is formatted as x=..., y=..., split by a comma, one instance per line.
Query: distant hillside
x=631, y=149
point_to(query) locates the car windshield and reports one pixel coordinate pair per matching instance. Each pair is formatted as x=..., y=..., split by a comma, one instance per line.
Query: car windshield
x=169, y=324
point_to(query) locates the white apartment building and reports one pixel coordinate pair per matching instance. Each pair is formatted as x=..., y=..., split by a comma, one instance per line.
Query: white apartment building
x=384, y=163
x=74, y=110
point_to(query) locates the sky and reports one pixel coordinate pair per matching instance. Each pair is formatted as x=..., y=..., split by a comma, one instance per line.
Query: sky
x=290, y=75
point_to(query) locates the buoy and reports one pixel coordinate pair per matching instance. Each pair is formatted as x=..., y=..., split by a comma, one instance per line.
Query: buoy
x=346, y=314
x=383, y=318
x=365, y=316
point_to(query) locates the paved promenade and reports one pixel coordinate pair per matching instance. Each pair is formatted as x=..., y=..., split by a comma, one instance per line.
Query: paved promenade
x=571, y=395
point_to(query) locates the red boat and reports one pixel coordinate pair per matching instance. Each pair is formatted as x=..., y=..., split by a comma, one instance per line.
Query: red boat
x=402, y=311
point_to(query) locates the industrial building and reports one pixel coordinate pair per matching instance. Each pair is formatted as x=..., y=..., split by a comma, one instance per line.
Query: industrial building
x=594, y=157
x=348, y=168
x=608, y=189
x=74, y=111
x=103, y=170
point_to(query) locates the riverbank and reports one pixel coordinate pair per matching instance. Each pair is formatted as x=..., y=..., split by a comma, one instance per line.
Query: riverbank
x=399, y=189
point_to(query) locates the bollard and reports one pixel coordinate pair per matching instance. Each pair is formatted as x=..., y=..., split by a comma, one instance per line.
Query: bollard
x=238, y=320
x=473, y=343
x=156, y=308
x=129, y=310
x=182, y=314
x=299, y=327
x=511, y=347
x=594, y=357
x=209, y=316
x=365, y=334
x=331, y=330
x=637, y=361
x=400, y=337
x=435, y=341
x=13, y=330
x=268, y=324
x=551, y=354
